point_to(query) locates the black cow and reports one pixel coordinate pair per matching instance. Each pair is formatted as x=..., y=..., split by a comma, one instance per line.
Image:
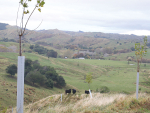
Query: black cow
x=68, y=91
x=87, y=92
x=74, y=91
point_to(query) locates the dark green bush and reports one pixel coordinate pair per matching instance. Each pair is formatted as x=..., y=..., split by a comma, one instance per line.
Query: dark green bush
x=104, y=89
x=11, y=69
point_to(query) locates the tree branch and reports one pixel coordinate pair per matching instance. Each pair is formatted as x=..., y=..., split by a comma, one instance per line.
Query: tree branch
x=22, y=20
x=38, y=25
x=29, y=18
x=17, y=18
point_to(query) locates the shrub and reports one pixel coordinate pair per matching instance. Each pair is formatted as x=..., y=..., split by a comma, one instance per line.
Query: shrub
x=11, y=69
x=104, y=89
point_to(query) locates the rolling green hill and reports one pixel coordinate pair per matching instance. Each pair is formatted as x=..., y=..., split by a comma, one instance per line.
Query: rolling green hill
x=118, y=76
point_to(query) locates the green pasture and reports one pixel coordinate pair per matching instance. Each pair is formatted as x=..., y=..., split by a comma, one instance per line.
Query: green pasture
x=103, y=63
x=118, y=76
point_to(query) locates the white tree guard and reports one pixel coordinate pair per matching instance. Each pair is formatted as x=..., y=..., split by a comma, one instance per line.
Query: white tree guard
x=137, y=85
x=90, y=93
x=20, y=84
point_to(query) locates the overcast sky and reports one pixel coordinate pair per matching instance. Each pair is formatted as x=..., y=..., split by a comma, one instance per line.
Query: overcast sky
x=108, y=16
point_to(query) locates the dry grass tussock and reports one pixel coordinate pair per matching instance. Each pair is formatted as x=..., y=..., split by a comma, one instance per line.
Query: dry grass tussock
x=131, y=105
x=72, y=103
x=100, y=103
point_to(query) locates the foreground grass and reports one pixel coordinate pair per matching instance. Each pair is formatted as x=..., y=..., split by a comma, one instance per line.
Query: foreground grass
x=85, y=104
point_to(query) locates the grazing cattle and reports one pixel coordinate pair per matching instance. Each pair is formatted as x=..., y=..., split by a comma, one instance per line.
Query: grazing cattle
x=74, y=91
x=68, y=91
x=87, y=92
x=6, y=89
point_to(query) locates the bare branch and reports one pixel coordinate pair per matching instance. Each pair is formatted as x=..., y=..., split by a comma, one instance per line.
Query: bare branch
x=38, y=25
x=22, y=20
x=29, y=18
x=17, y=18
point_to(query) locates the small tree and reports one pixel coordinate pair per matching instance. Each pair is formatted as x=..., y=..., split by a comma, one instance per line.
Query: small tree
x=11, y=69
x=89, y=79
x=140, y=51
x=35, y=77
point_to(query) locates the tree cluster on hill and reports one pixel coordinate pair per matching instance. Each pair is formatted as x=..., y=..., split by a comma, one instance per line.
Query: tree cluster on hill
x=35, y=73
x=71, y=47
x=3, y=26
x=78, y=55
x=7, y=40
x=43, y=75
x=45, y=44
x=83, y=47
x=42, y=50
x=122, y=51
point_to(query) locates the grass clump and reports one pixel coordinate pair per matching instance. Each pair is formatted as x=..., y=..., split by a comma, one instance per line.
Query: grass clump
x=130, y=104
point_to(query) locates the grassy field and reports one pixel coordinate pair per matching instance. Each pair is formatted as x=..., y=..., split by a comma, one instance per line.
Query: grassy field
x=118, y=76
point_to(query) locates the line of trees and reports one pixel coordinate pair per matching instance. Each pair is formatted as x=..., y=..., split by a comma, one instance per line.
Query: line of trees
x=7, y=40
x=42, y=75
x=42, y=50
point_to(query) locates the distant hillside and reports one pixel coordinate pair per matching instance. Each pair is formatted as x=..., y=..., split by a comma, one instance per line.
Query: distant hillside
x=60, y=39
x=3, y=26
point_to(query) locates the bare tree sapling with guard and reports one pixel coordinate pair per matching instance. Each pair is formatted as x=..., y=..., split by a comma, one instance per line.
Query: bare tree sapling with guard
x=89, y=81
x=140, y=51
x=21, y=59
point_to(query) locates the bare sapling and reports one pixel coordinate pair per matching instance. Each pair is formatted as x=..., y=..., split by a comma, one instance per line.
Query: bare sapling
x=21, y=59
x=140, y=52
x=89, y=81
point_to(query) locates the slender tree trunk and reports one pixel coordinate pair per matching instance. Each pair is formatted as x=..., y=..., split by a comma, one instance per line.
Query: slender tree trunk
x=137, y=81
x=138, y=66
x=20, y=53
x=89, y=85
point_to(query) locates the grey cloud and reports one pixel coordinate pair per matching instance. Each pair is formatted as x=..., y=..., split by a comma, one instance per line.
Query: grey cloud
x=103, y=15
